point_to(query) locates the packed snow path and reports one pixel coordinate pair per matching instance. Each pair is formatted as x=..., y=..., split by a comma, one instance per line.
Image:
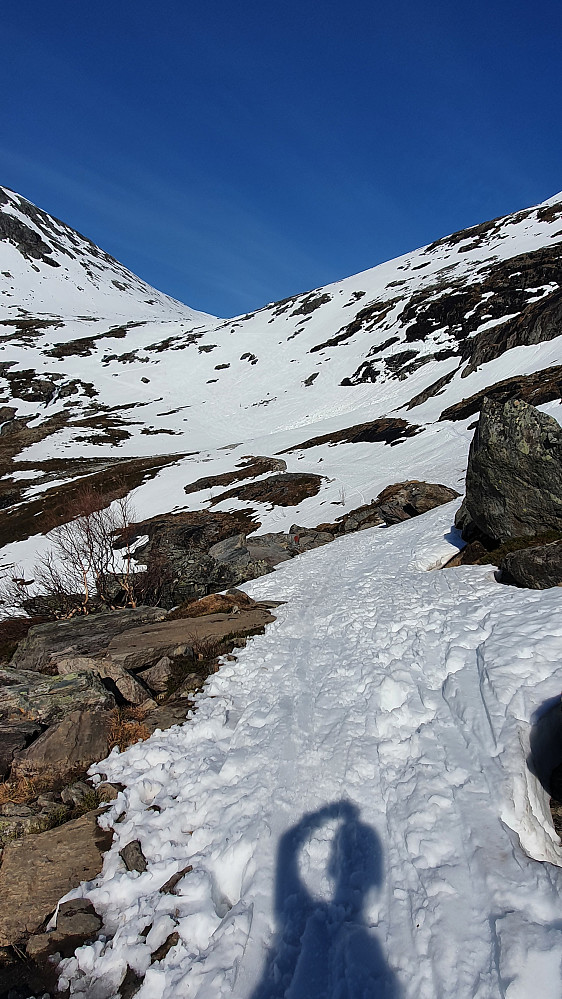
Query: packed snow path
x=352, y=796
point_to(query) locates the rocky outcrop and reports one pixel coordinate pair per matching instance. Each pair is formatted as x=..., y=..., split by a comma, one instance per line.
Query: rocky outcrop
x=79, y=739
x=15, y=736
x=514, y=474
x=172, y=638
x=83, y=636
x=536, y=388
x=284, y=489
x=410, y=499
x=123, y=685
x=77, y=922
x=396, y=503
x=536, y=568
x=47, y=699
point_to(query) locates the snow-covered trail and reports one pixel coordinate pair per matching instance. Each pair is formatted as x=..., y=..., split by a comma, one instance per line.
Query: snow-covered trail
x=352, y=796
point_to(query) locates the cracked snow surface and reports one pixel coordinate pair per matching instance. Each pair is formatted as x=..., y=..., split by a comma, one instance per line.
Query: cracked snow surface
x=352, y=796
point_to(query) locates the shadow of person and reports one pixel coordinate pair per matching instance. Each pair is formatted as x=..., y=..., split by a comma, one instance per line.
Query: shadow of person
x=324, y=949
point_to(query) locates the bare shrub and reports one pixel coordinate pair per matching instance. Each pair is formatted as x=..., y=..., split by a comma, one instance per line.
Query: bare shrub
x=83, y=569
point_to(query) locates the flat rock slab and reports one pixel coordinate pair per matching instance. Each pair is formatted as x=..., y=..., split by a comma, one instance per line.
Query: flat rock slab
x=84, y=636
x=151, y=642
x=38, y=870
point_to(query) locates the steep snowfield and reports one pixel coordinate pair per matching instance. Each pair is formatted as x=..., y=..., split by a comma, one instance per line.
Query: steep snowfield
x=352, y=798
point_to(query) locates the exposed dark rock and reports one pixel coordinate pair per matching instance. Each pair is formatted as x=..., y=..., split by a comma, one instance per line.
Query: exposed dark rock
x=286, y=489
x=311, y=302
x=230, y=550
x=124, y=686
x=514, y=475
x=133, y=857
x=366, y=320
x=432, y=390
x=230, y=602
x=74, y=794
x=158, y=677
x=505, y=290
x=165, y=948
x=172, y=882
x=280, y=547
x=362, y=518
x=173, y=637
x=387, y=430
x=26, y=240
x=248, y=469
x=396, y=503
x=404, y=500
x=535, y=568
x=536, y=389
x=14, y=737
x=77, y=922
x=538, y=322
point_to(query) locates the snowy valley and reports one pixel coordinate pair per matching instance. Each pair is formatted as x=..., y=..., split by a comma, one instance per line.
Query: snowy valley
x=352, y=805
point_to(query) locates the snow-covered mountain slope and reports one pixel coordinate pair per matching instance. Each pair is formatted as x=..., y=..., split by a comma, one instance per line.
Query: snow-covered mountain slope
x=47, y=267
x=350, y=806
x=309, y=378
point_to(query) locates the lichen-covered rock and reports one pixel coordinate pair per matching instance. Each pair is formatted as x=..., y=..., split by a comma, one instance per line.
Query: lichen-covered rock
x=514, y=475
x=127, y=686
x=47, y=699
x=535, y=568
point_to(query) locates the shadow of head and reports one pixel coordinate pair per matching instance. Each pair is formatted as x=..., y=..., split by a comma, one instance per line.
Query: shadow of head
x=355, y=861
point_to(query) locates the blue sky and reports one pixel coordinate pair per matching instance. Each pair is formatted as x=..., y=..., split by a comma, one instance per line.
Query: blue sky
x=234, y=153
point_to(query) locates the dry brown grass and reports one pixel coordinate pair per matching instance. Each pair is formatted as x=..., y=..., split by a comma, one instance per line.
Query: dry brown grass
x=23, y=789
x=19, y=792
x=127, y=727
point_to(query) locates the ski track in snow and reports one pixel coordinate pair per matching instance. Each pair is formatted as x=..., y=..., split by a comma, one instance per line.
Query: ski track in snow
x=352, y=796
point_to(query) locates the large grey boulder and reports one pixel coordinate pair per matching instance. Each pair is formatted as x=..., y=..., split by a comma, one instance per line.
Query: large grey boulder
x=536, y=568
x=514, y=474
x=84, y=636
